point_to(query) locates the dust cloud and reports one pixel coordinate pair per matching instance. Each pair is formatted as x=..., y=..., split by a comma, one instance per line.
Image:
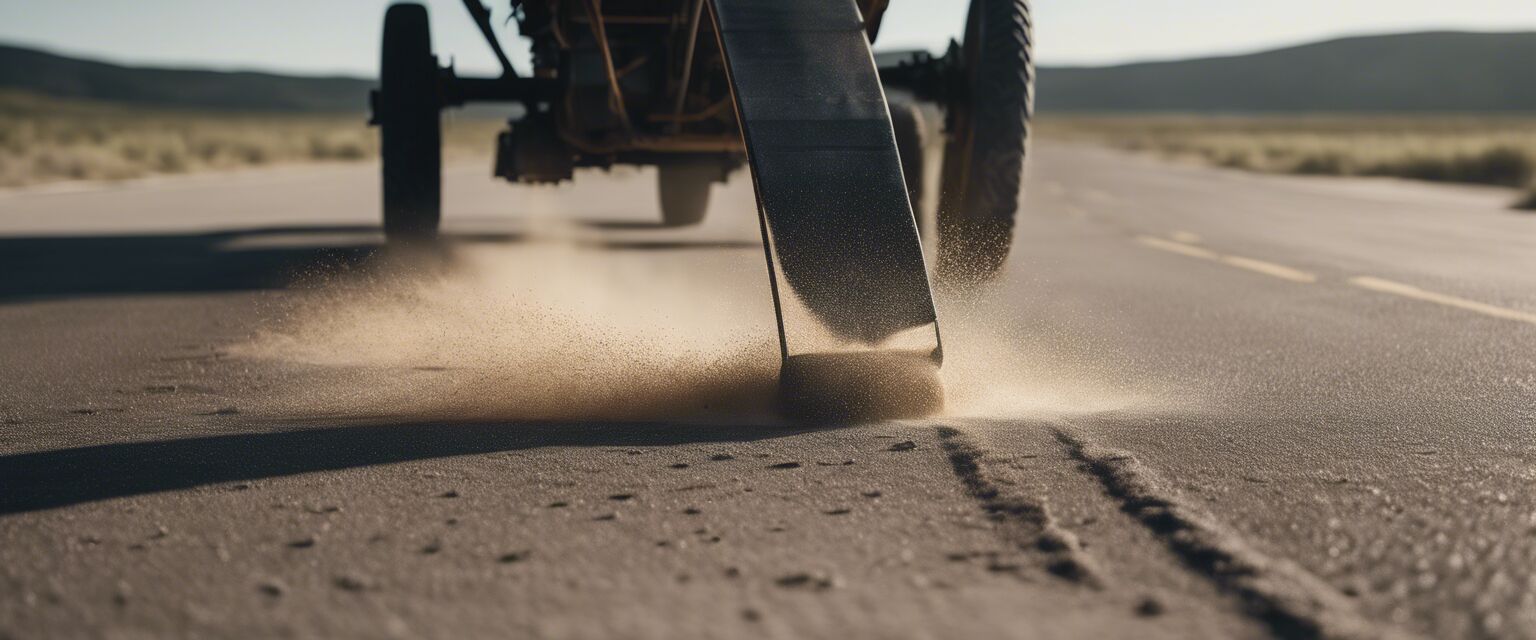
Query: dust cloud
x=544, y=330
x=1002, y=361
x=568, y=326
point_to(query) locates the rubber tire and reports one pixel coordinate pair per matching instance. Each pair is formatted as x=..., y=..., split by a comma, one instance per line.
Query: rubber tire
x=988, y=134
x=410, y=127
x=684, y=189
x=907, y=121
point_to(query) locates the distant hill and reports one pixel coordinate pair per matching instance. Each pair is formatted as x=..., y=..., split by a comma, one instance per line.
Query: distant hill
x=1416, y=72
x=58, y=76
x=1439, y=71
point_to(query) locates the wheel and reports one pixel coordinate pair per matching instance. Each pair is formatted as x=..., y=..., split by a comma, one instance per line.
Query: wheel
x=410, y=128
x=907, y=120
x=987, y=127
x=685, y=192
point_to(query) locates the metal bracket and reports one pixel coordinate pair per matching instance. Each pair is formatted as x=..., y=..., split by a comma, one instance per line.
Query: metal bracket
x=482, y=17
x=931, y=79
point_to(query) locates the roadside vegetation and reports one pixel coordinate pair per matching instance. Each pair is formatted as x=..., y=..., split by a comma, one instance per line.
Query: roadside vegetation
x=1487, y=150
x=48, y=140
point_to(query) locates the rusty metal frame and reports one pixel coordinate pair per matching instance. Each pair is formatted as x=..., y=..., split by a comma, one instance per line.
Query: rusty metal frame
x=482, y=17
x=693, y=42
x=594, y=10
x=511, y=87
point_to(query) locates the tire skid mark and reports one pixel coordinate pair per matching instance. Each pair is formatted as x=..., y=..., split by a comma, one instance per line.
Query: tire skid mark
x=1292, y=602
x=1025, y=521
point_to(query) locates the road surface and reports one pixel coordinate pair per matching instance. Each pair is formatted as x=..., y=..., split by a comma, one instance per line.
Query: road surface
x=1201, y=403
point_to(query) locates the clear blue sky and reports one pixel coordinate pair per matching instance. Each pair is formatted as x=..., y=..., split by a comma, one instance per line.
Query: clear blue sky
x=341, y=36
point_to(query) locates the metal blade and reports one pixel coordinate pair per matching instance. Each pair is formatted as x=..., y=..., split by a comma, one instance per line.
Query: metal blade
x=842, y=242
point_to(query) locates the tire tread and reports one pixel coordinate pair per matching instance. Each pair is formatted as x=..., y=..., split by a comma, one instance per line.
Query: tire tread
x=976, y=226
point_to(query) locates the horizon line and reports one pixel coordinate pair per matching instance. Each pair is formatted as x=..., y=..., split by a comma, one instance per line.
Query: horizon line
x=53, y=50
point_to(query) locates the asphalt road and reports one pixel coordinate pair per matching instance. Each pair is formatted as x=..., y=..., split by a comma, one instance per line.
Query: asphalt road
x=1202, y=403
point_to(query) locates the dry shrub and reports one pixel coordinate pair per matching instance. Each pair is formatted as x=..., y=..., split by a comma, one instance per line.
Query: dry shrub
x=1490, y=149
x=1500, y=166
x=46, y=140
x=1321, y=164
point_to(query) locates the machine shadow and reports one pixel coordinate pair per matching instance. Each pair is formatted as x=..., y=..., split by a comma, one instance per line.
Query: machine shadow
x=43, y=267
x=676, y=245
x=48, y=267
x=624, y=225
x=53, y=479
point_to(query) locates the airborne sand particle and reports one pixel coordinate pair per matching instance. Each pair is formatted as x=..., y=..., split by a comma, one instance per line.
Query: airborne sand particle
x=542, y=332
x=554, y=330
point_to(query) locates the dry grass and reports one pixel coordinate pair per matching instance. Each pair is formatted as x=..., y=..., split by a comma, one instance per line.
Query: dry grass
x=46, y=140
x=1491, y=150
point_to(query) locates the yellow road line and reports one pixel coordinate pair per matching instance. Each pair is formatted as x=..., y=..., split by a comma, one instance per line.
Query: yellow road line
x=1101, y=196
x=1186, y=237
x=1365, y=282
x=1257, y=266
x=1179, y=248
x=1270, y=269
x=1410, y=291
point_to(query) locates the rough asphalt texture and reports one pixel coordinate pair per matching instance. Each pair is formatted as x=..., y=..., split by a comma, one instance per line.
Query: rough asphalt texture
x=1211, y=427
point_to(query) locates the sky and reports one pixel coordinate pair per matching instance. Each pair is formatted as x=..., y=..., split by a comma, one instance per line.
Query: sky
x=341, y=36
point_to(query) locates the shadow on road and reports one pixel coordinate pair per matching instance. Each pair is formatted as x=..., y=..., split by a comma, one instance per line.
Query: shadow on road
x=43, y=267
x=52, y=479
x=68, y=266
x=624, y=225
x=674, y=245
